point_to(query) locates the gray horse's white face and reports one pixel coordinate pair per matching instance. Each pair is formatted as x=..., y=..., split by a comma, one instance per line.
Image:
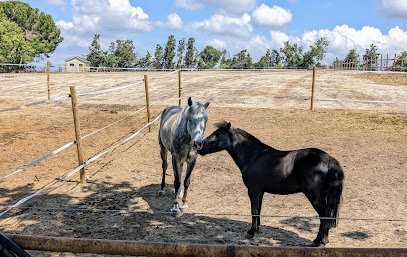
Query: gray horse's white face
x=196, y=123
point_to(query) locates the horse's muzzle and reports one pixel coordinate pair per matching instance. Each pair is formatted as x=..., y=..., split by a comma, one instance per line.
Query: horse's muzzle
x=198, y=145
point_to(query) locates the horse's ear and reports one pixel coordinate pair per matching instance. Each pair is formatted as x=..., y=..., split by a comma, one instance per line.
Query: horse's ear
x=189, y=101
x=228, y=126
x=206, y=105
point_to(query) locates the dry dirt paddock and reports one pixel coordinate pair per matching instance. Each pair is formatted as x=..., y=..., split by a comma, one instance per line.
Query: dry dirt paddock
x=371, y=146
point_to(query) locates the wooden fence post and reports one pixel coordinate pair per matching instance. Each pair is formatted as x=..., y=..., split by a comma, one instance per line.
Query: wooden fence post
x=179, y=88
x=381, y=62
x=147, y=101
x=48, y=80
x=313, y=88
x=78, y=140
x=394, y=62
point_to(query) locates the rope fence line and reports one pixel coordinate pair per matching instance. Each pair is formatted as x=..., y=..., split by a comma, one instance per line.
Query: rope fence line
x=360, y=101
x=64, y=178
x=104, y=91
x=62, y=148
x=44, y=101
x=132, y=211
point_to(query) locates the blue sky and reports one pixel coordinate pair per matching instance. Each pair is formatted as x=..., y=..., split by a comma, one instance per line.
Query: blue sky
x=232, y=24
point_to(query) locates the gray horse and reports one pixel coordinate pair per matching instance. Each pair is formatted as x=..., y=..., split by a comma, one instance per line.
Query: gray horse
x=181, y=132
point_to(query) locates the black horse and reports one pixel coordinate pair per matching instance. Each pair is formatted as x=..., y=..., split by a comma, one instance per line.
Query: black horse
x=265, y=169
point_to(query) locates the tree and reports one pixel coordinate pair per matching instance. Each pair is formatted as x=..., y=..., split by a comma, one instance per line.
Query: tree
x=96, y=56
x=242, y=60
x=169, y=53
x=351, y=57
x=316, y=53
x=146, y=61
x=276, y=58
x=209, y=57
x=189, y=56
x=158, y=57
x=265, y=60
x=292, y=54
x=180, y=53
x=401, y=60
x=122, y=54
x=26, y=33
x=370, y=56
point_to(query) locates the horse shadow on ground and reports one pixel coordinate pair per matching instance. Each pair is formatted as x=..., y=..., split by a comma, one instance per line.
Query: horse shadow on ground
x=95, y=215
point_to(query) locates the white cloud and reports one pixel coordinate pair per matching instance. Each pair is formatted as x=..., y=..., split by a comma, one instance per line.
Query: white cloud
x=174, y=21
x=273, y=17
x=278, y=38
x=225, y=6
x=217, y=43
x=394, y=8
x=56, y=2
x=110, y=18
x=343, y=38
x=107, y=16
x=64, y=25
x=224, y=25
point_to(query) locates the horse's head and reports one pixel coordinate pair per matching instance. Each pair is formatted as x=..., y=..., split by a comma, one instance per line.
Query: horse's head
x=219, y=140
x=196, y=122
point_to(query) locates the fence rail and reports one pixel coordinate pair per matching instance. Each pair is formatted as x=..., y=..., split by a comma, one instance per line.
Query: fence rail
x=134, y=248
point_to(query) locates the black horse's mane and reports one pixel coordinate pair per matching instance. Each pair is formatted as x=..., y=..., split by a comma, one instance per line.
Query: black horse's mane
x=247, y=136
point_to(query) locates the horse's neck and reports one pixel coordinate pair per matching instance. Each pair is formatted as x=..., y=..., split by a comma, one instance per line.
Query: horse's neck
x=182, y=130
x=245, y=152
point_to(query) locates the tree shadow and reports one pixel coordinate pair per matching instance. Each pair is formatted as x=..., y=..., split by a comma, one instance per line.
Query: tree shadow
x=92, y=212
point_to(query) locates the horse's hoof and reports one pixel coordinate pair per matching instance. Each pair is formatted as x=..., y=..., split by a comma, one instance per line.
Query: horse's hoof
x=250, y=233
x=161, y=192
x=184, y=206
x=175, y=209
x=317, y=244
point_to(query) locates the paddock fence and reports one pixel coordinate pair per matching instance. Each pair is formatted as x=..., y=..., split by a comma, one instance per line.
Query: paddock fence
x=133, y=248
x=378, y=63
x=148, y=249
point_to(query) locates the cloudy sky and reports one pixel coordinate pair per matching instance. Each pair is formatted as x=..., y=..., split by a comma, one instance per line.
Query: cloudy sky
x=232, y=24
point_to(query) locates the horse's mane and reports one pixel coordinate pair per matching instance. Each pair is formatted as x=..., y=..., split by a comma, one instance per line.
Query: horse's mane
x=221, y=124
x=247, y=136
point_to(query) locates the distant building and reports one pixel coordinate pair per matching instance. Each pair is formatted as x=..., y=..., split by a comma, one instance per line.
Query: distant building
x=77, y=64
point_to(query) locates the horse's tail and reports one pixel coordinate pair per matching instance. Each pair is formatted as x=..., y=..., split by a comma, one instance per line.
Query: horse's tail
x=334, y=193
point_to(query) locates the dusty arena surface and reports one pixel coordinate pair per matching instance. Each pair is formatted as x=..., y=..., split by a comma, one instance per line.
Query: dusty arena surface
x=369, y=140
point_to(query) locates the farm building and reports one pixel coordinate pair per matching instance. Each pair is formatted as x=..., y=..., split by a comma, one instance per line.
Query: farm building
x=76, y=64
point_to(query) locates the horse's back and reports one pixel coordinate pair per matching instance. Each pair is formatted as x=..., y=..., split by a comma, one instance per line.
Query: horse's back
x=170, y=118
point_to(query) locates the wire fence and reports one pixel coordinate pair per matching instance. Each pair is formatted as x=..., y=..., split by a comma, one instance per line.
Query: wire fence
x=64, y=178
x=66, y=146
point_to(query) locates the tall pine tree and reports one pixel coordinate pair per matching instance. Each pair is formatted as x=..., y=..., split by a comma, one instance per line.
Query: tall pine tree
x=96, y=56
x=169, y=53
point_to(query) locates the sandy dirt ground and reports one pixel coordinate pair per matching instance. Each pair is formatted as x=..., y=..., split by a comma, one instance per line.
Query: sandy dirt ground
x=371, y=146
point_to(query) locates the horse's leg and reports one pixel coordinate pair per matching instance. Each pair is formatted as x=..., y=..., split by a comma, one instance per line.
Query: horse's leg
x=190, y=166
x=260, y=203
x=317, y=202
x=163, y=153
x=177, y=167
x=254, y=196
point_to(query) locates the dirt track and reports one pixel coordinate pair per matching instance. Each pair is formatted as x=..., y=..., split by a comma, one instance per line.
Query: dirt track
x=370, y=146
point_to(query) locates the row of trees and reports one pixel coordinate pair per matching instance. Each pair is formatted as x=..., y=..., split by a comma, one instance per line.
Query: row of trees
x=26, y=33
x=370, y=58
x=121, y=54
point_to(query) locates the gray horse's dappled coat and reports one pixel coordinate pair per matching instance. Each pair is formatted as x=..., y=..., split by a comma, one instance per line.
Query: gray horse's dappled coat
x=181, y=133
